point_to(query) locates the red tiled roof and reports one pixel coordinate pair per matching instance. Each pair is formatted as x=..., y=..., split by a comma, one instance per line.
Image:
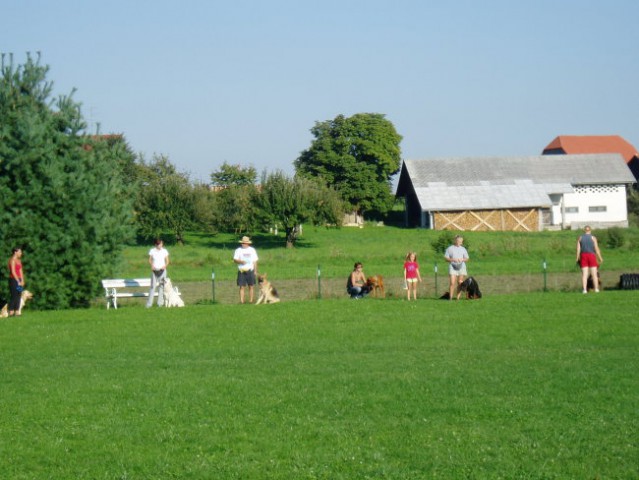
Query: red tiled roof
x=577, y=144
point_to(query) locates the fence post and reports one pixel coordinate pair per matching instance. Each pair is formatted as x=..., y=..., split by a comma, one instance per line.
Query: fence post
x=436, y=293
x=319, y=283
x=545, y=280
x=213, y=284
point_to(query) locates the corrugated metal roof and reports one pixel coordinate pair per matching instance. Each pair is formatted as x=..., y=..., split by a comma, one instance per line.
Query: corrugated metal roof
x=507, y=182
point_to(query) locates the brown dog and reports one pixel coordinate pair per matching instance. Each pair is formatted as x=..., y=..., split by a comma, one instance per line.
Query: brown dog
x=268, y=294
x=24, y=296
x=375, y=284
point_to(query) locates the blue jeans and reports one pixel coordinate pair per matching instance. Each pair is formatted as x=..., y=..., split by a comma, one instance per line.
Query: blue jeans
x=356, y=292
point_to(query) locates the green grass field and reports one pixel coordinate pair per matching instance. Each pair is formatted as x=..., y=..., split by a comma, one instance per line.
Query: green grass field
x=382, y=250
x=503, y=262
x=534, y=386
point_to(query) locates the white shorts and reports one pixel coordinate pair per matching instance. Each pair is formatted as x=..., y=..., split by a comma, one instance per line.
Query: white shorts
x=460, y=270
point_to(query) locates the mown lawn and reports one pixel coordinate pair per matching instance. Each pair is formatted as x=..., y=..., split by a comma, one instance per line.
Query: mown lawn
x=536, y=386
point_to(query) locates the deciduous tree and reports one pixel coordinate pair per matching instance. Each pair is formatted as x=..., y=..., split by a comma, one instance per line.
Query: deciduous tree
x=167, y=202
x=357, y=156
x=236, y=195
x=290, y=202
x=233, y=175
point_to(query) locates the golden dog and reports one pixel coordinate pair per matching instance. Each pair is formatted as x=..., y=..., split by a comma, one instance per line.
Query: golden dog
x=24, y=297
x=268, y=294
x=375, y=284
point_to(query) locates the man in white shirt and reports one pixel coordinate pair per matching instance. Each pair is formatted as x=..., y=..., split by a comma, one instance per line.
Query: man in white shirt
x=246, y=258
x=159, y=260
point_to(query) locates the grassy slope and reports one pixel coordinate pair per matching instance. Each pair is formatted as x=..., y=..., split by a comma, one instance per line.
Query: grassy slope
x=523, y=386
x=382, y=250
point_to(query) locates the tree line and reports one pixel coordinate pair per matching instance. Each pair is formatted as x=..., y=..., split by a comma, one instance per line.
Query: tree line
x=72, y=200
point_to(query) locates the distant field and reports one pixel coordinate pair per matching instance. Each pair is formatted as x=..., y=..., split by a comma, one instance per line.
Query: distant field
x=504, y=262
x=526, y=386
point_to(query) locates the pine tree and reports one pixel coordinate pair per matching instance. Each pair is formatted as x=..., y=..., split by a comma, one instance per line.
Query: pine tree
x=62, y=194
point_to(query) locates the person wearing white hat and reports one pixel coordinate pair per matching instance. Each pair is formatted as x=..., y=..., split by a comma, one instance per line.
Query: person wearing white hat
x=246, y=258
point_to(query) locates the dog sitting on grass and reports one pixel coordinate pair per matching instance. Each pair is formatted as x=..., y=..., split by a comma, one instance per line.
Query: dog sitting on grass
x=171, y=296
x=268, y=294
x=24, y=297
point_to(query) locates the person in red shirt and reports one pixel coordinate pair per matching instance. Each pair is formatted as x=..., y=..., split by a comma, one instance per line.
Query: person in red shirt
x=411, y=275
x=16, y=281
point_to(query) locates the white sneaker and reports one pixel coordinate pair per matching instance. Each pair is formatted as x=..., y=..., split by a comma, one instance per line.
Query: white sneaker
x=584, y=292
x=596, y=291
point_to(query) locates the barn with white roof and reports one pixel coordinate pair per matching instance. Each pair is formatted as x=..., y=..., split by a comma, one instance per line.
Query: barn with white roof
x=530, y=193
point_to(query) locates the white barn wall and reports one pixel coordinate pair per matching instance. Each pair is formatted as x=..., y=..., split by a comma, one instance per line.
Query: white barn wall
x=613, y=197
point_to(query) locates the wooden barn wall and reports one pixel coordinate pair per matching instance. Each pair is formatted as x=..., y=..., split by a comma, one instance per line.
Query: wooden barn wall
x=515, y=220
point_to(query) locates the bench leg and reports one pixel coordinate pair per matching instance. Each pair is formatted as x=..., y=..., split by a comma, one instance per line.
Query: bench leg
x=112, y=300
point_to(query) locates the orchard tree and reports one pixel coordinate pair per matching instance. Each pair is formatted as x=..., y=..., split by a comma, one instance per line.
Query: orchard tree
x=233, y=175
x=62, y=194
x=236, y=196
x=290, y=202
x=357, y=156
x=167, y=202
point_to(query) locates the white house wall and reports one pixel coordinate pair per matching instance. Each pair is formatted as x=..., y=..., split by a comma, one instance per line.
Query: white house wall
x=593, y=197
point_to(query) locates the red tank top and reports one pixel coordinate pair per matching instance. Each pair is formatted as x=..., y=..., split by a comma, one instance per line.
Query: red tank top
x=18, y=270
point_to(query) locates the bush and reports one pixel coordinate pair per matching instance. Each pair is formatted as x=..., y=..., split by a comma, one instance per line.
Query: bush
x=445, y=240
x=615, y=237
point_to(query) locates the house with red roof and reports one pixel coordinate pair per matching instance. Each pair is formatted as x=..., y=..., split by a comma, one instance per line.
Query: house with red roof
x=587, y=144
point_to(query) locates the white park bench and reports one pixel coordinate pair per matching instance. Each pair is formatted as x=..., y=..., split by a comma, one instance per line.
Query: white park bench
x=127, y=288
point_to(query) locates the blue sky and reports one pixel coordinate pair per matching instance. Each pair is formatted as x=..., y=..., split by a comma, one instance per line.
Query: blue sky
x=241, y=81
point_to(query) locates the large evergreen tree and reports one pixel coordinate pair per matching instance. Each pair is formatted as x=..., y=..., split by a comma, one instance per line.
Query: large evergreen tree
x=357, y=156
x=62, y=197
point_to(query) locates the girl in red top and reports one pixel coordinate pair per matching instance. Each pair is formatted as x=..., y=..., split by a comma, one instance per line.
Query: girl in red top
x=411, y=274
x=16, y=281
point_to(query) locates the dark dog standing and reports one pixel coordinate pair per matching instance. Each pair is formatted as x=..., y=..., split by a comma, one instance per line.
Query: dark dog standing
x=471, y=288
x=590, y=284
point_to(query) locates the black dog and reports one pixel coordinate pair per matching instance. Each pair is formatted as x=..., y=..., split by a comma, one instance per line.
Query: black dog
x=468, y=286
x=590, y=285
x=471, y=288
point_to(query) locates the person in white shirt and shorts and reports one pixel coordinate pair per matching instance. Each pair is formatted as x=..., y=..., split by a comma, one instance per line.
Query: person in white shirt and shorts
x=456, y=255
x=246, y=258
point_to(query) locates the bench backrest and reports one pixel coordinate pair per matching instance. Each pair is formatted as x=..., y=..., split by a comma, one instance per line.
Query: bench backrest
x=126, y=282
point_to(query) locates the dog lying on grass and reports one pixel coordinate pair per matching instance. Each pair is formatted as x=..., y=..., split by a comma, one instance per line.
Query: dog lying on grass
x=375, y=284
x=24, y=297
x=268, y=294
